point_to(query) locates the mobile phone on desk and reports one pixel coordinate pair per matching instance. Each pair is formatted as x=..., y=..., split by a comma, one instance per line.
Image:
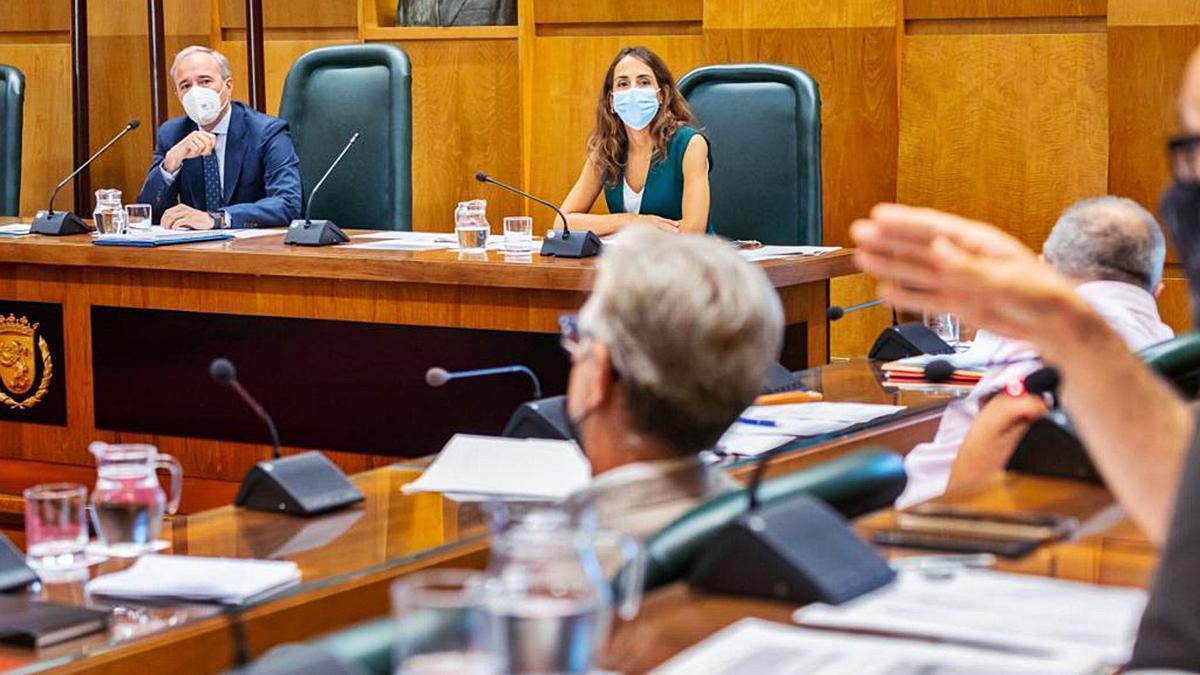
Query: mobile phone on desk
x=949, y=520
x=932, y=541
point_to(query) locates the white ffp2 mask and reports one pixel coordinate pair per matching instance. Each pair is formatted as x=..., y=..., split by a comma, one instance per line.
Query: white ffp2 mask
x=202, y=105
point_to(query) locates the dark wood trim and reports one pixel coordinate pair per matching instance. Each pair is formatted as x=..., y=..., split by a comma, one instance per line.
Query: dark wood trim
x=254, y=55
x=79, y=102
x=158, y=62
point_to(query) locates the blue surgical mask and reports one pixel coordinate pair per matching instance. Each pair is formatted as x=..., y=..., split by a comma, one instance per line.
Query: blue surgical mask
x=636, y=107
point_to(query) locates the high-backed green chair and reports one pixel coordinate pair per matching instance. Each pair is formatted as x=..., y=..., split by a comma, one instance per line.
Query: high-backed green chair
x=12, y=112
x=1178, y=360
x=854, y=484
x=331, y=93
x=763, y=124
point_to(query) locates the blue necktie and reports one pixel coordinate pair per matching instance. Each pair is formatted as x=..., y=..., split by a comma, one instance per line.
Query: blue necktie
x=212, y=183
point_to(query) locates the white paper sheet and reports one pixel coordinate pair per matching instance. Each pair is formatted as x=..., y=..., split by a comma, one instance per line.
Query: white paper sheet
x=506, y=468
x=1018, y=611
x=15, y=229
x=254, y=233
x=751, y=441
x=771, y=252
x=224, y=580
x=400, y=245
x=757, y=646
x=811, y=419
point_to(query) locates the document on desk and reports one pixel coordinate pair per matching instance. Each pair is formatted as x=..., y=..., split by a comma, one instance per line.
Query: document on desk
x=771, y=252
x=983, y=607
x=757, y=646
x=475, y=467
x=254, y=232
x=809, y=419
x=15, y=230
x=198, y=579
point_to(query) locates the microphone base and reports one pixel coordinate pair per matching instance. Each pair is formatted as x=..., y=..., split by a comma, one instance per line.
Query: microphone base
x=315, y=233
x=541, y=418
x=907, y=339
x=304, y=485
x=576, y=244
x=58, y=224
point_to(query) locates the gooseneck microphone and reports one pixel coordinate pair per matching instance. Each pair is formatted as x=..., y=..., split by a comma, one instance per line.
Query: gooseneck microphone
x=223, y=373
x=308, y=232
x=564, y=244
x=836, y=312
x=436, y=377
x=64, y=222
x=306, y=484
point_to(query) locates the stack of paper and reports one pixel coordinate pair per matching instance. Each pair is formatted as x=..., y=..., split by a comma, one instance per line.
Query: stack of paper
x=14, y=230
x=763, y=428
x=1004, y=611
x=757, y=646
x=969, y=366
x=176, y=577
x=420, y=241
x=771, y=252
x=507, y=468
x=157, y=236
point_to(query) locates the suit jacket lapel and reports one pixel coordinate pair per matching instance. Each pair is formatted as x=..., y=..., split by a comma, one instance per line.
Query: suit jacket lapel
x=235, y=149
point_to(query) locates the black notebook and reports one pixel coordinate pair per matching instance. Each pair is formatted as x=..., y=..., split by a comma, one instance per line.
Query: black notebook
x=26, y=622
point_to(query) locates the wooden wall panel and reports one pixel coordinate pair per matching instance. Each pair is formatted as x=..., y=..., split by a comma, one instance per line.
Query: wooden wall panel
x=1009, y=129
x=1153, y=13
x=751, y=14
x=46, y=139
x=996, y=9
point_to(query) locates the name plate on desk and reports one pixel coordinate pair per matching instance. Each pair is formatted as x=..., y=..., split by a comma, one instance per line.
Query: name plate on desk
x=331, y=385
x=32, y=363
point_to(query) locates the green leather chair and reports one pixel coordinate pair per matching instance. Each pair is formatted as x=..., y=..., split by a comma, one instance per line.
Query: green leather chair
x=12, y=107
x=1178, y=360
x=854, y=484
x=329, y=94
x=763, y=124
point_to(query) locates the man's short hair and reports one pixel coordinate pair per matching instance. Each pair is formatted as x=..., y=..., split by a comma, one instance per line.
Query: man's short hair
x=222, y=62
x=1108, y=239
x=691, y=328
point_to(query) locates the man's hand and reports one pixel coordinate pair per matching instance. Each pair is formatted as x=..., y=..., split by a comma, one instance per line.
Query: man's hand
x=933, y=261
x=184, y=217
x=196, y=144
x=993, y=437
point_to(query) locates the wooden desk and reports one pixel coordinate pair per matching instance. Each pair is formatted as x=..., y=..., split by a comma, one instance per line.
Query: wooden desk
x=349, y=559
x=1109, y=550
x=335, y=342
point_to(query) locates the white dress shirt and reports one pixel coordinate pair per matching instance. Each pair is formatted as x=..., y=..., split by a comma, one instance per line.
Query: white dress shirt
x=1129, y=310
x=222, y=132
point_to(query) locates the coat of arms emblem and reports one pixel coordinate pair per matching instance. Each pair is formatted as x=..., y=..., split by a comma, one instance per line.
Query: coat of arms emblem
x=19, y=356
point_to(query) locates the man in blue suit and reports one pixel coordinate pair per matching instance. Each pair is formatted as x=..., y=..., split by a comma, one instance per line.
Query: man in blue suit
x=224, y=165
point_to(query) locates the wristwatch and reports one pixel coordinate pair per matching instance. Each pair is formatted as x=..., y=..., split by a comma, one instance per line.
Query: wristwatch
x=220, y=219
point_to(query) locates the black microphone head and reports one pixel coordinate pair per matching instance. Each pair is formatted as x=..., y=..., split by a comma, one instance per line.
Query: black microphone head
x=834, y=313
x=133, y=124
x=481, y=176
x=1043, y=381
x=939, y=370
x=222, y=371
x=436, y=377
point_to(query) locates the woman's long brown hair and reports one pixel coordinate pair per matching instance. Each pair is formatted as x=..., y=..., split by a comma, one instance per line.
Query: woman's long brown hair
x=608, y=145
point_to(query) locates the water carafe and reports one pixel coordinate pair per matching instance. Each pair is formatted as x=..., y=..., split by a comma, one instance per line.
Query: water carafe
x=109, y=216
x=471, y=226
x=128, y=502
x=550, y=590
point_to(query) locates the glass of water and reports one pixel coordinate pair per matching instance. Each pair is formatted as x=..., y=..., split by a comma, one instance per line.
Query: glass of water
x=518, y=234
x=55, y=529
x=945, y=326
x=137, y=218
x=471, y=225
x=443, y=626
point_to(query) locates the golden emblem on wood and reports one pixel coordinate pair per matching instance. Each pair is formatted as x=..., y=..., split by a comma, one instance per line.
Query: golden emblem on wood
x=18, y=363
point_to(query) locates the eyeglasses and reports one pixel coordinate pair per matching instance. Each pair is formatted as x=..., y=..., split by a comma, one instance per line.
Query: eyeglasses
x=572, y=339
x=1184, y=154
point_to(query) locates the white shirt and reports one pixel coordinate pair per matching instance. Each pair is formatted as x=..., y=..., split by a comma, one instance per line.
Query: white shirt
x=222, y=132
x=633, y=200
x=1129, y=310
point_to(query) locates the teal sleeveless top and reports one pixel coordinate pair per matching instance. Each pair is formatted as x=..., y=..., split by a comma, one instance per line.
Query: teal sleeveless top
x=663, y=194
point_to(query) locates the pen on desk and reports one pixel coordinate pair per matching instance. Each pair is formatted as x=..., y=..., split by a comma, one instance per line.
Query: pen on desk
x=757, y=423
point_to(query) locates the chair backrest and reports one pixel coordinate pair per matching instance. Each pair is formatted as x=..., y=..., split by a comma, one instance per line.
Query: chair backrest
x=763, y=124
x=12, y=111
x=854, y=484
x=1178, y=360
x=329, y=94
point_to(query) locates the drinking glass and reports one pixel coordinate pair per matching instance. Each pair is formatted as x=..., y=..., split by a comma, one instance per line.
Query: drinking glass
x=945, y=326
x=443, y=626
x=55, y=529
x=518, y=234
x=138, y=218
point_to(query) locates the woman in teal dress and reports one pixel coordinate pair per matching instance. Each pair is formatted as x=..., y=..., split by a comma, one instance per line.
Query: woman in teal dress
x=645, y=154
